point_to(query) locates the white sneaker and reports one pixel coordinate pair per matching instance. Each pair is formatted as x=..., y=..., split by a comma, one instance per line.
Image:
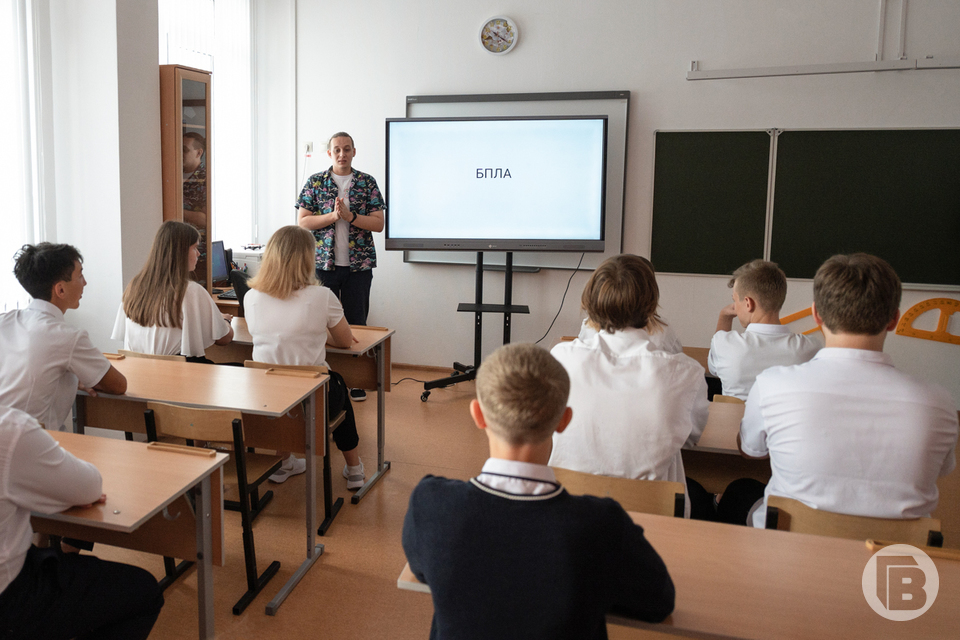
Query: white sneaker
x=292, y=466
x=354, y=476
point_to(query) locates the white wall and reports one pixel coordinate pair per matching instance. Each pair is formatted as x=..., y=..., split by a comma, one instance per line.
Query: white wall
x=356, y=69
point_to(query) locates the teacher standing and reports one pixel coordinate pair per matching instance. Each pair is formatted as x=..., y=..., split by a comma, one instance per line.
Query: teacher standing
x=343, y=207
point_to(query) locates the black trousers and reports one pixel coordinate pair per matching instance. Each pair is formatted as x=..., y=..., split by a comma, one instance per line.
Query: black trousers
x=353, y=290
x=61, y=596
x=338, y=399
x=738, y=498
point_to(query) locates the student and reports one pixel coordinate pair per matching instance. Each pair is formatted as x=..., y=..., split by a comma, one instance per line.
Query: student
x=847, y=432
x=511, y=554
x=45, y=360
x=43, y=592
x=342, y=206
x=163, y=311
x=291, y=319
x=634, y=404
x=759, y=289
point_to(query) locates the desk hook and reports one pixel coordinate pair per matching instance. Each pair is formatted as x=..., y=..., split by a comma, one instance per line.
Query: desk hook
x=167, y=516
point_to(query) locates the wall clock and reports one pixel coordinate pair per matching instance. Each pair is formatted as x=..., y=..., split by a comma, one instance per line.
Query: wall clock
x=499, y=35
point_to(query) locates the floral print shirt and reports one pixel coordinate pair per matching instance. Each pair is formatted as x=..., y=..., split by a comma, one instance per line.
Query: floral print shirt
x=319, y=195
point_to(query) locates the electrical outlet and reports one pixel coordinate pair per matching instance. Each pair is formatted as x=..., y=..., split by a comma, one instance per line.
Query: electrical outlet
x=309, y=147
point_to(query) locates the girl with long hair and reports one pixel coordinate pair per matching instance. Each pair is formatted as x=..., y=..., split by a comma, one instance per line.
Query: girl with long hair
x=292, y=319
x=164, y=312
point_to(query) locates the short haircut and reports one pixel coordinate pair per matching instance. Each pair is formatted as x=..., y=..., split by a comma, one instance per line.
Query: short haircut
x=340, y=134
x=763, y=281
x=199, y=142
x=857, y=294
x=39, y=267
x=288, y=263
x=523, y=392
x=623, y=293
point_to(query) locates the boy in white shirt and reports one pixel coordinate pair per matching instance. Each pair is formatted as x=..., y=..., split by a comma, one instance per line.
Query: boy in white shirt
x=759, y=289
x=45, y=359
x=847, y=432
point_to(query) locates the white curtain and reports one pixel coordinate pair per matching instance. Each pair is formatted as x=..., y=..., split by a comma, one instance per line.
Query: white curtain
x=214, y=35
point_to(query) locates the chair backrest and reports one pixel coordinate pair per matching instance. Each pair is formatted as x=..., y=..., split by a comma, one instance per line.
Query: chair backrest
x=700, y=354
x=214, y=425
x=239, y=281
x=658, y=497
x=151, y=356
x=786, y=514
x=730, y=399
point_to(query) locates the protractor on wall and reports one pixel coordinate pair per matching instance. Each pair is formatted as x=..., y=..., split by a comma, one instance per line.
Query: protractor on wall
x=799, y=315
x=946, y=306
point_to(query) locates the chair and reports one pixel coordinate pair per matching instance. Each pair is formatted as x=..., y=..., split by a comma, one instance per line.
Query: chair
x=239, y=281
x=332, y=423
x=151, y=356
x=658, y=497
x=728, y=399
x=247, y=470
x=786, y=514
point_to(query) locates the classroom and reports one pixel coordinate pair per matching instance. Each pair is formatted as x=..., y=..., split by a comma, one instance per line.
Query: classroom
x=102, y=188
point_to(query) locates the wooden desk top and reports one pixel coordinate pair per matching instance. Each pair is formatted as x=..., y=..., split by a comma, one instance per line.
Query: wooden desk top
x=369, y=337
x=756, y=584
x=723, y=426
x=214, y=387
x=139, y=482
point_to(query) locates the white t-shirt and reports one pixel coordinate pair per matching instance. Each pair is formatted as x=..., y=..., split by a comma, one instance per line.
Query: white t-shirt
x=848, y=433
x=634, y=407
x=663, y=340
x=41, y=360
x=341, y=241
x=36, y=474
x=738, y=358
x=202, y=323
x=292, y=331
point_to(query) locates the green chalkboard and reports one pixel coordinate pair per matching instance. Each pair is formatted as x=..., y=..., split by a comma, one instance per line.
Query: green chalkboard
x=892, y=193
x=709, y=200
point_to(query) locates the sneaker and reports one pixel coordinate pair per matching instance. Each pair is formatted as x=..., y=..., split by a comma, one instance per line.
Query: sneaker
x=354, y=476
x=292, y=466
x=358, y=395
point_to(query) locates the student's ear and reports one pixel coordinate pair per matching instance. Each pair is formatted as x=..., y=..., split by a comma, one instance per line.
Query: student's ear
x=893, y=323
x=750, y=304
x=58, y=291
x=816, y=316
x=477, y=414
x=565, y=419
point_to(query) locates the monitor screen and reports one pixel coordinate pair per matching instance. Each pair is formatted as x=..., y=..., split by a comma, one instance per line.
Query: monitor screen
x=218, y=261
x=496, y=184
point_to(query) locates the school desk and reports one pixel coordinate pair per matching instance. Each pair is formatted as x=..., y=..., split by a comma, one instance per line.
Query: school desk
x=251, y=391
x=145, y=508
x=756, y=584
x=365, y=365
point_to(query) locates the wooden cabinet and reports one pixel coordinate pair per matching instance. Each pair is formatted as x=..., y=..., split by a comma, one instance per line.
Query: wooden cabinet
x=185, y=137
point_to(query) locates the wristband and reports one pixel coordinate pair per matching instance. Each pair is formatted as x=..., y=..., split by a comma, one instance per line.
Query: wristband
x=354, y=218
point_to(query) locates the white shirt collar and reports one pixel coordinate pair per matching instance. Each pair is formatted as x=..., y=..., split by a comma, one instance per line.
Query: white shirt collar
x=517, y=478
x=775, y=329
x=46, y=307
x=864, y=355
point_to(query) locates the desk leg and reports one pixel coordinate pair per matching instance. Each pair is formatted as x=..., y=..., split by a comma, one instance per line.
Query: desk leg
x=382, y=465
x=79, y=413
x=330, y=508
x=314, y=550
x=203, y=510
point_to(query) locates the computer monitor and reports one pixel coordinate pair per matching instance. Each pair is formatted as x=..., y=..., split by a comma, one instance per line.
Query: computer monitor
x=218, y=260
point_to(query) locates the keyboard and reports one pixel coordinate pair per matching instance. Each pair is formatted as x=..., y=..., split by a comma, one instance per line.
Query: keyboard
x=228, y=295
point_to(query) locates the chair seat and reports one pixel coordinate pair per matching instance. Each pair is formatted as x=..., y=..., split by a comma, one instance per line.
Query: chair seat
x=259, y=465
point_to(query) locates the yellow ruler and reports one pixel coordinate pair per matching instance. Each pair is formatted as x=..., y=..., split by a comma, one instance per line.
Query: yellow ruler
x=946, y=306
x=797, y=316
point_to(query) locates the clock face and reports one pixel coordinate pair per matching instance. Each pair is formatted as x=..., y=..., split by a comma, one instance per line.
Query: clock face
x=499, y=35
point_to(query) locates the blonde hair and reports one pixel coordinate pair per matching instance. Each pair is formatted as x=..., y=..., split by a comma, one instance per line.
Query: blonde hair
x=154, y=298
x=523, y=392
x=623, y=293
x=288, y=263
x=763, y=281
x=857, y=294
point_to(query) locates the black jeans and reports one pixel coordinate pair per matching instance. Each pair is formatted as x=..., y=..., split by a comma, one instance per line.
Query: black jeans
x=353, y=290
x=338, y=399
x=61, y=596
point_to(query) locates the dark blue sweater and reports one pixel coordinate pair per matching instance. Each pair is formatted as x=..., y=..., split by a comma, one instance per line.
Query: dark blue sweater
x=502, y=566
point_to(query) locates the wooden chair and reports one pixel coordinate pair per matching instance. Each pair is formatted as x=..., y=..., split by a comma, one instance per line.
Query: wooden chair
x=786, y=514
x=151, y=356
x=646, y=496
x=332, y=423
x=247, y=470
x=729, y=399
